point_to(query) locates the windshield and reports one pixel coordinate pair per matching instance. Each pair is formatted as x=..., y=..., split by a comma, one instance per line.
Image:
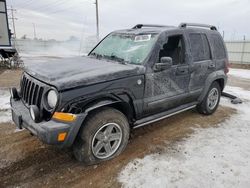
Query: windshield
x=125, y=48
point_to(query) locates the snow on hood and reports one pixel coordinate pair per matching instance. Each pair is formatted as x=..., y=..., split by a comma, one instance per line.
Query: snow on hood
x=79, y=71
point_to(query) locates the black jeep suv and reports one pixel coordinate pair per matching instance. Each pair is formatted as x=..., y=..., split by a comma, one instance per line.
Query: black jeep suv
x=133, y=77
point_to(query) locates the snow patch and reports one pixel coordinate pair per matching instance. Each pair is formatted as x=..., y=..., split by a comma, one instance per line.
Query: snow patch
x=213, y=157
x=5, y=112
x=4, y=99
x=239, y=92
x=242, y=73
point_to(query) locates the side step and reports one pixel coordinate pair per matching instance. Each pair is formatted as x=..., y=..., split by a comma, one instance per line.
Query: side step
x=163, y=115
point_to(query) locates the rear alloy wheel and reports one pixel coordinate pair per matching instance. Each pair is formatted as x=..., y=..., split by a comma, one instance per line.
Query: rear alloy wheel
x=103, y=136
x=211, y=100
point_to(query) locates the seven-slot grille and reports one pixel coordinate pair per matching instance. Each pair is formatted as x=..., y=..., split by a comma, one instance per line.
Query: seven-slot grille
x=31, y=91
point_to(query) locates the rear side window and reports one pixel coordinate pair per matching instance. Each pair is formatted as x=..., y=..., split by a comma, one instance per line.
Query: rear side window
x=199, y=47
x=218, y=47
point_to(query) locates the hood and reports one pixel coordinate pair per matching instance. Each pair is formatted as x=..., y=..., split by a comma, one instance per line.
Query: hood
x=81, y=71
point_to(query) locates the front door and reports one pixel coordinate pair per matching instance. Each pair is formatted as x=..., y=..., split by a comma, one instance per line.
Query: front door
x=167, y=89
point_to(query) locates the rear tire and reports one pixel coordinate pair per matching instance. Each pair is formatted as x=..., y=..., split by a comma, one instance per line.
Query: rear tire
x=211, y=101
x=103, y=136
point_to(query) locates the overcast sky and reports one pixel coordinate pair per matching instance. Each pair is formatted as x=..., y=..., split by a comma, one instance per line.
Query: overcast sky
x=60, y=19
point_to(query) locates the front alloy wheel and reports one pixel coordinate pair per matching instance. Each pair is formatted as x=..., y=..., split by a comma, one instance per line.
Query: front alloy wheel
x=103, y=136
x=106, y=140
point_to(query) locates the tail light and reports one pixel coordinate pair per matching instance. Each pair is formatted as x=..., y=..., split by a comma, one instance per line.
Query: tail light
x=227, y=66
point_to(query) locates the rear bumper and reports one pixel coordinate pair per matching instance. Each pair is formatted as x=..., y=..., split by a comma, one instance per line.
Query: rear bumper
x=46, y=131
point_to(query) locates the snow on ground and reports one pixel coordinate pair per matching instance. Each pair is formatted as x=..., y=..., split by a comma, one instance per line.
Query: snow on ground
x=242, y=73
x=5, y=112
x=213, y=157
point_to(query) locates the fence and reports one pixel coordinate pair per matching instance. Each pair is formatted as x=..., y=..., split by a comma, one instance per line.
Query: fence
x=239, y=52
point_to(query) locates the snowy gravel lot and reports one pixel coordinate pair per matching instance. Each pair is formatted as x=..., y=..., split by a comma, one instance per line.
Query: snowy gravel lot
x=212, y=157
x=242, y=73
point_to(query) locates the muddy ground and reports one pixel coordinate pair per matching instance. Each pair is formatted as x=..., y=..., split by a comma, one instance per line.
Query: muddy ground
x=26, y=162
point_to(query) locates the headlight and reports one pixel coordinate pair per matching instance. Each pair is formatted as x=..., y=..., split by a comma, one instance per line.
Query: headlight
x=52, y=98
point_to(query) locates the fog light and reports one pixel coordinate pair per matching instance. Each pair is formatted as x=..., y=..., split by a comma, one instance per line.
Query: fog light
x=34, y=113
x=14, y=93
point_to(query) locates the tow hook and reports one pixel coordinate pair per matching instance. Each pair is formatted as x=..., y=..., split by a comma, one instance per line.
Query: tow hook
x=234, y=99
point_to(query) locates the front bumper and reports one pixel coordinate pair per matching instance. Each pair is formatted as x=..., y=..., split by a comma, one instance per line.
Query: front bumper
x=46, y=131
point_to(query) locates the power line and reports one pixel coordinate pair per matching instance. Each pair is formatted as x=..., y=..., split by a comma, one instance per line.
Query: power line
x=45, y=7
x=24, y=3
x=62, y=10
x=52, y=4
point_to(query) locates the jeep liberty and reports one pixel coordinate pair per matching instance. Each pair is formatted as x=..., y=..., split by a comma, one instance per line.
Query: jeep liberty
x=131, y=78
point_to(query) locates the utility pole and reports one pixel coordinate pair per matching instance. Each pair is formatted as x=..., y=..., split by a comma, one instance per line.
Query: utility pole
x=243, y=49
x=34, y=28
x=13, y=18
x=97, y=20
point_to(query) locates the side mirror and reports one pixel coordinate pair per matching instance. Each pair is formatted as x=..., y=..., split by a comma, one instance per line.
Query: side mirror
x=166, y=62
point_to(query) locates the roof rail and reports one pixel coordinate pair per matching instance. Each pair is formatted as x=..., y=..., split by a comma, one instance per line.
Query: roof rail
x=139, y=26
x=185, y=25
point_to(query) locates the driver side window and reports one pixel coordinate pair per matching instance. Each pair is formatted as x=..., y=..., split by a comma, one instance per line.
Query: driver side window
x=174, y=48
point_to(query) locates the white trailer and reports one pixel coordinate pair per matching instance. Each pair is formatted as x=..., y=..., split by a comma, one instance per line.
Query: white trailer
x=4, y=28
x=8, y=54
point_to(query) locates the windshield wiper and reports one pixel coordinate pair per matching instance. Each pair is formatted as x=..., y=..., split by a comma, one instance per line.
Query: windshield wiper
x=119, y=59
x=96, y=55
x=111, y=57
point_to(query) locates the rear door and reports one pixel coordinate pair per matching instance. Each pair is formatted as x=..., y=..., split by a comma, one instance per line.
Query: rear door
x=218, y=51
x=201, y=62
x=4, y=28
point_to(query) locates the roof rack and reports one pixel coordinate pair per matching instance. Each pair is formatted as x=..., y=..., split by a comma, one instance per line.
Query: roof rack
x=185, y=25
x=139, y=26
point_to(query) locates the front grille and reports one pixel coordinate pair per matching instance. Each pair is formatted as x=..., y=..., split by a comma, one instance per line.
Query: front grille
x=31, y=91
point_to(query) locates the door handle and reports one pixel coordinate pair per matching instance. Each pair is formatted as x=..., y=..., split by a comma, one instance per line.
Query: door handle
x=182, y=71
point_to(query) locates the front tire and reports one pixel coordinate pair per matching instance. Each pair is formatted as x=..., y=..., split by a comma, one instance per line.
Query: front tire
x=103, y=136
x=211, y=101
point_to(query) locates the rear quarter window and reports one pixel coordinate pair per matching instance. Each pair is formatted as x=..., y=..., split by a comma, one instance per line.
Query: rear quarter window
x=199, y=47
x=218, y=47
